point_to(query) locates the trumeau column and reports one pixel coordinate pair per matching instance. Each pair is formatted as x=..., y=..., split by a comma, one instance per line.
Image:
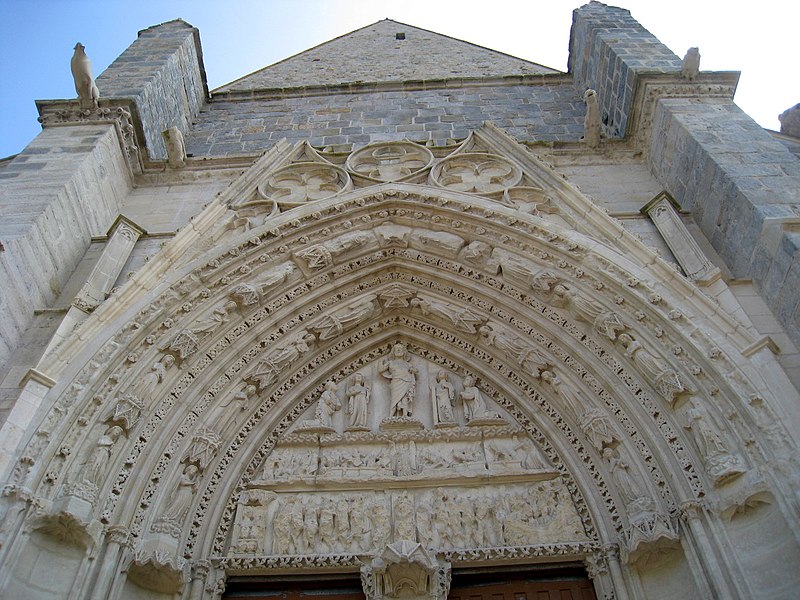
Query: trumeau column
x=691, y=258
x=122, y=238
x=406, y=569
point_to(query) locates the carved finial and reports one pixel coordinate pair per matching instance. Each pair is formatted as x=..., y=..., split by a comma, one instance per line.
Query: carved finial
x=691, y=64
x=591, y=123
x=88, y=94
x=176, y=148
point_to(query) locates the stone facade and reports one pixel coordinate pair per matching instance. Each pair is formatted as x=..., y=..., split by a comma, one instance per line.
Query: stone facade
x=449, y=317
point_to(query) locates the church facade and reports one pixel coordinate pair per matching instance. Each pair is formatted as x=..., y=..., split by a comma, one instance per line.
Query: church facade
x=401, y=316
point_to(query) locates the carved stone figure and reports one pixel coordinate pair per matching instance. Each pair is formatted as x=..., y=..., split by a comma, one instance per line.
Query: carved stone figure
x=327, y=404
x=88, y=94
x=442, y=399
x=144, y=389
x=583, y=308
x=240, y=400
x=472, y=399
x=627, y=485
x=528, y=455
x=180, y=500
x=176, y=148
x=567, y=394
x=95, y=468
x=246, y=294
x=403, y=517
x=591, y=122
x=690, y=68
x=402, y=381
x=474, y=404
x=336, y=322
x=656, y=370
x=462, y=319
x=208, y=324
x=268, y=368
x=358, y=396
x=515, y=348
x=722, y=464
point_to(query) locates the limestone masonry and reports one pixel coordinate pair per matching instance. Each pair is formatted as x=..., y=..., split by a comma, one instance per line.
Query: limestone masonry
x=401, y=316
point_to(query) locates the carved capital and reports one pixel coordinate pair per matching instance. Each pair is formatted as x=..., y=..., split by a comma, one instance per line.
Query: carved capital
x=117, y=534
x=691, y=510
x=200, y=569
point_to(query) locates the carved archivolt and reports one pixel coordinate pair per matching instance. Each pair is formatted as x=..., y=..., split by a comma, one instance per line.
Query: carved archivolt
x=260, y=371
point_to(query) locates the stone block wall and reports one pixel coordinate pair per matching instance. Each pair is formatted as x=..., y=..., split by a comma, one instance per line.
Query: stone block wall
x=65, y=187
x=743, y=188
x=528, y=112
x=608, y=50
x=162, y=71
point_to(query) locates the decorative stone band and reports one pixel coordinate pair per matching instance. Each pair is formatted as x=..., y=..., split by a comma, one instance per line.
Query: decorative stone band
x=119, y=113
x=651, y=88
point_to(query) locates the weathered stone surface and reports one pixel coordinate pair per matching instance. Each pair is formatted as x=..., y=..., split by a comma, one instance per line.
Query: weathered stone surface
x=162, y=71
x=386, y=51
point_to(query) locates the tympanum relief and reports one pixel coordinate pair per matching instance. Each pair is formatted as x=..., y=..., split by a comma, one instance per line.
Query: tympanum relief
x=403, y=449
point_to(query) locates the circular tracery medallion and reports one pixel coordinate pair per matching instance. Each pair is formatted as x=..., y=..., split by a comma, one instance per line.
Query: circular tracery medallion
x=304, y=182
x=476, y=173
x=390, y=161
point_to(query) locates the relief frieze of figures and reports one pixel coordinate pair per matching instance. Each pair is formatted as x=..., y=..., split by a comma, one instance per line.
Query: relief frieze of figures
x=441, y=518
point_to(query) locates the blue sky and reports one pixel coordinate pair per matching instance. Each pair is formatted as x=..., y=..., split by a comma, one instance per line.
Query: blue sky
x=240, y=36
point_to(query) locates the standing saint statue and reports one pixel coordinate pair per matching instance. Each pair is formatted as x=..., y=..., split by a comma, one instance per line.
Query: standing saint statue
x=443, y=395
x=474, y=406
x=327, y=405
x=357, y=400
x=403, y=381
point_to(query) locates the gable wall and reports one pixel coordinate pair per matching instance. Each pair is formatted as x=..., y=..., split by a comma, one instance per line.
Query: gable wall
x=542, y=112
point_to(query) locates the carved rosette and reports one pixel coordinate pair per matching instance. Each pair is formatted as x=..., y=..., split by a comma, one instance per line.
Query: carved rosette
x=477, y=173
x=304, y=182
x=390, y=161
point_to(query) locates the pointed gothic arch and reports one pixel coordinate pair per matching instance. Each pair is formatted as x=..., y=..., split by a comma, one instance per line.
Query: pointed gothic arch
x=256, y=309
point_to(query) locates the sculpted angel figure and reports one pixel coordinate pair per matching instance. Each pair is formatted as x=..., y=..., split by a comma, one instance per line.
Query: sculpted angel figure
x=402, y=381
x=335, y=322
x=461, y=318
x=268, y=368
x=516, y=349
x=656, y=370
x=585, y=309
x=357, y=401
x=443, y=395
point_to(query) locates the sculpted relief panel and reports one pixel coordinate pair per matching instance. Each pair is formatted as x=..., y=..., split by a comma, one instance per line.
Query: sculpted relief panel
x=403, y=450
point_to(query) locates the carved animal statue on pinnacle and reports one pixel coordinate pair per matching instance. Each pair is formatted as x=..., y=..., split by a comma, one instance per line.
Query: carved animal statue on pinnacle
x=88, y=94
x=691, y=64
x=591, y=122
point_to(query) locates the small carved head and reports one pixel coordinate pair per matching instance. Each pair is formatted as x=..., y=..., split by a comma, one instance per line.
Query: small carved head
x=441, y=376
x=399, y=350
